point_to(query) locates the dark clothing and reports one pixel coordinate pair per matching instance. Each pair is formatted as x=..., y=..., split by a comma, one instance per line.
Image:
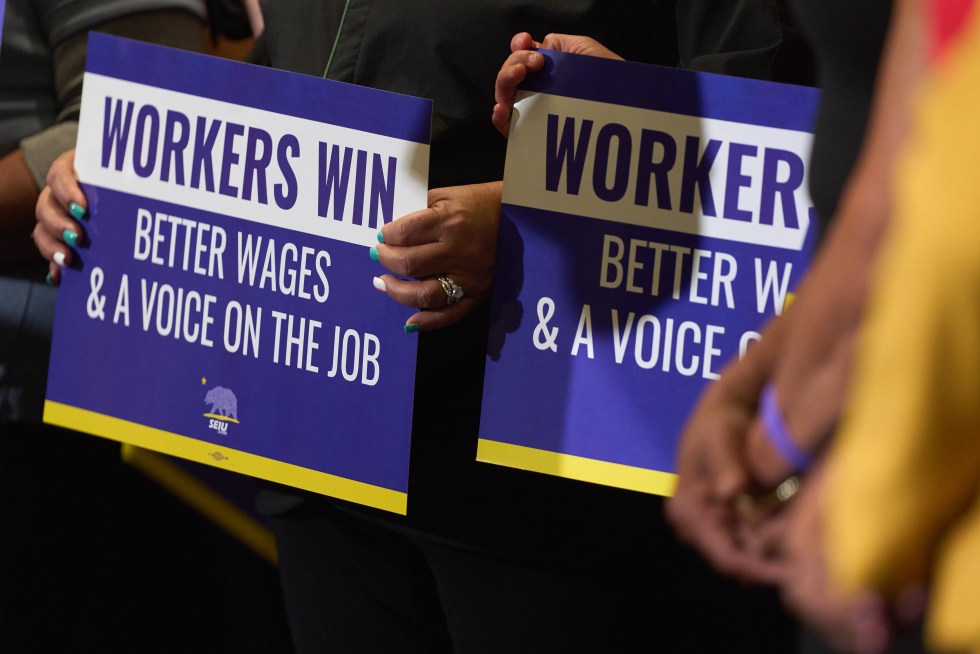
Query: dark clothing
x=451, y=52
x=353, y=586
x=535, y=535
x=847, y=39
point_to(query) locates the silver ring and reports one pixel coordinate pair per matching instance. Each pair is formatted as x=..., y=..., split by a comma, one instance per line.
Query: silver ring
x=453, y=291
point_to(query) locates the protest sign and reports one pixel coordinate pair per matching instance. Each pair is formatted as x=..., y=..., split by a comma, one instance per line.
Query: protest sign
x=221, y=309
x=653, y=219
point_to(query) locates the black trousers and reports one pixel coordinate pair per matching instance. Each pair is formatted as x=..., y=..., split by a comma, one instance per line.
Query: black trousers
x=354, y=584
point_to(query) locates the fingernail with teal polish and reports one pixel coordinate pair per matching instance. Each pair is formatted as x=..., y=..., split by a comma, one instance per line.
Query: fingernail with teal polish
x=381, y=237
x=411, y=328
x=71, y=238
x=374, y=254
x=47, y=280
x=76, y=210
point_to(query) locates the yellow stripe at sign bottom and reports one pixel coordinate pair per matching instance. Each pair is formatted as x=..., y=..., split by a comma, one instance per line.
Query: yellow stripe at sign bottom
x=655, y=482
x=253, y=465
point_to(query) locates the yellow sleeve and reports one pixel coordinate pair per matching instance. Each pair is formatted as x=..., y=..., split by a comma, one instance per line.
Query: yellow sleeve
x=905, y=466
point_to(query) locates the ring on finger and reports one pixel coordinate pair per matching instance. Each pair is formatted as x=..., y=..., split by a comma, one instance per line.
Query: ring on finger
x=453, y=291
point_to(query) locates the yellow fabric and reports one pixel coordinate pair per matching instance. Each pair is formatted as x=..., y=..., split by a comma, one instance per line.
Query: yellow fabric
x=903, y=503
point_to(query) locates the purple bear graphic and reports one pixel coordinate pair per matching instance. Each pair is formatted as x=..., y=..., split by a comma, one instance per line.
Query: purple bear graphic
x=223, y=402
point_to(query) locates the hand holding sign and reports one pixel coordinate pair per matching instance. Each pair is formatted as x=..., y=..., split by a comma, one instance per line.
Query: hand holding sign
x=59, y=208
x=524, y=60
x=456, y=237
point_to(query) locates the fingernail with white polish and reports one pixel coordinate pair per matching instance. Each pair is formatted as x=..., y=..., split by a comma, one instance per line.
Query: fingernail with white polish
x=380, y=285
x=59, y=258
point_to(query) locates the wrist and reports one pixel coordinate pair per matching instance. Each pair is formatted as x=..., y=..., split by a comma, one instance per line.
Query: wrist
x=777, y=435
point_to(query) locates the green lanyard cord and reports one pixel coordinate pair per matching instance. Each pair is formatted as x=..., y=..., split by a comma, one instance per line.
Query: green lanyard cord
x=336, y=39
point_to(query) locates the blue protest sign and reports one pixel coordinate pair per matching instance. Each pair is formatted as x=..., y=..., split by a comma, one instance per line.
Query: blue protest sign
x=653, y=219
x=222, y=308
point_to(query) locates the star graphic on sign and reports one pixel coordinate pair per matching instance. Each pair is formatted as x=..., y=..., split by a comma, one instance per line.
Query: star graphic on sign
x=204, y=380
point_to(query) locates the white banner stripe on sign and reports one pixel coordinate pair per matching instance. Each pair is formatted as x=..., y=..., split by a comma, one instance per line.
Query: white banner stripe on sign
x=644, y=176
x=245, y=162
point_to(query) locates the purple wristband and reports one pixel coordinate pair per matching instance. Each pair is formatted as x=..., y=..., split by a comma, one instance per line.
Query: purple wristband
x=774, y=427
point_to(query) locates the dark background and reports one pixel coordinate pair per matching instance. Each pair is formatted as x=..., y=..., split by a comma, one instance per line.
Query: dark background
x=95, y=557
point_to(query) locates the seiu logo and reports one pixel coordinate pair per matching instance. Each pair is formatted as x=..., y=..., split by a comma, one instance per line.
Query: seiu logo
x=224, y=409
x=218, y=426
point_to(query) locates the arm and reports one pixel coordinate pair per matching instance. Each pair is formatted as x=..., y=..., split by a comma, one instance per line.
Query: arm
x=47, y=154
x=811, y=376
x=809, y=359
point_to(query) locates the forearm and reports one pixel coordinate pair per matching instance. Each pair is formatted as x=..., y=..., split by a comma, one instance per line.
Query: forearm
x=811, y=377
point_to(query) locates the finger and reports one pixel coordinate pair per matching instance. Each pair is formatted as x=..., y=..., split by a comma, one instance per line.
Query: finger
x=68, y=192
x=424, y=294
x=553, y=42
x=728, y=557
x=500, y=118
x=417, y=228
x=51, y=248
x=513, y=71
x=439, y=318
x=505, y=93
x=568, y=43
x=417, y=261
x=869, y=619
x=54, y=274
x=769, y=535
x=728, y=476
x=523, y=41
x=508, y=79
x=54, y=220
x=64, y=183
x=578, y=45
x=766, y=466
x=682, y=514
x=527, y=58
x=730, y=481
x=512, y=74
x=706, y=528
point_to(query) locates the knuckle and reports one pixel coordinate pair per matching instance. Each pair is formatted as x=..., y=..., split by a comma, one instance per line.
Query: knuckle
x=409, y=265
x=394, y=232
x=427, y=296
x=391, y=258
